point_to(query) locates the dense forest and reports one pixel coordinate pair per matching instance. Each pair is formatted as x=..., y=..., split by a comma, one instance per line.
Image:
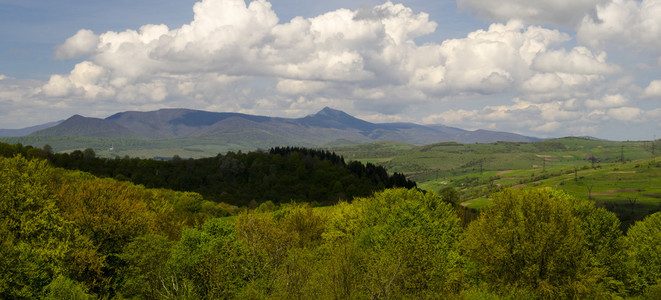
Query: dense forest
x=68, y=234
x=281, y=175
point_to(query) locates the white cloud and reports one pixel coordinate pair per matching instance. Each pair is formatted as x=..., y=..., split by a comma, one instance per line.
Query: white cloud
x=345, y=53
x=486, y=62
x=559, y=12
x=557, y=118
x=624, y=22
x=84, y=42
x=295, y=87
x=381, y=118
x=607, y=101
x=548, y=127
x=653, y=90
x=238, y=56
x=579, y=60
x=632, y=114
x=522, y=112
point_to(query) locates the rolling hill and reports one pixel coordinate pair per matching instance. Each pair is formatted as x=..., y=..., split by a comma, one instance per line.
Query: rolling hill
x=328, y=126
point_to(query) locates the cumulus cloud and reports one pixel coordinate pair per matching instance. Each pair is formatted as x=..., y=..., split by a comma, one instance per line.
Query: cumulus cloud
x=625, y=22
x=632, y=114
x=84, y=42
x=579, y=60
x=522, y=112
x=562, y=117
x=486, y=61
x=607, y=101
x=231, y=38
x=653, y=89
x=560, y=12
x=343, y=53
x=238, y=56
x=298, y=87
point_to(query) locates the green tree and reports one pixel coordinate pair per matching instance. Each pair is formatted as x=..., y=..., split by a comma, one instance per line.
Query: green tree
x=450, y=195
x=33, y=234
x=643, y=247
x=145, y=272
x=400, y=242
x=535, y=240
x=65, y=288
x=207, y=264
x=89, y=154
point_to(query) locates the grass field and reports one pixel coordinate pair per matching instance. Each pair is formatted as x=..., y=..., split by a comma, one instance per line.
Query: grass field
x=621, y=176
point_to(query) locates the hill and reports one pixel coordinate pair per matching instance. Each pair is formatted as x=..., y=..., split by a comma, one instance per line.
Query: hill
x=623, y=177
x=167, y=132
x=82, y=126
x=27, y=130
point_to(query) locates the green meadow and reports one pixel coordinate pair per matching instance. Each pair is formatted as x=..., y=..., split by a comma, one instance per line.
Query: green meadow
x=624, y=177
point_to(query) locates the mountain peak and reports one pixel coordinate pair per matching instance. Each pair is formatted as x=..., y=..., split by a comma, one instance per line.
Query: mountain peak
x=332, y=113
x=333, y=118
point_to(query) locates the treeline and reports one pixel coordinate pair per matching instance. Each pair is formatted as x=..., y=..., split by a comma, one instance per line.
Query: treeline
x=281, y=175
x=69, y=235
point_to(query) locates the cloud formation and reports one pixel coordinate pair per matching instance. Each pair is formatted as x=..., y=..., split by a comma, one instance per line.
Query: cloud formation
x=84, y=42
x=624, y=22
x=653, y=90
x=238, y=56
x=346, y=54
x=565, y=13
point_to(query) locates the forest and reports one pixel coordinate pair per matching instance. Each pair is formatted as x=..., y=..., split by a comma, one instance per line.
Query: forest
x=70, y=234
x=280, y=175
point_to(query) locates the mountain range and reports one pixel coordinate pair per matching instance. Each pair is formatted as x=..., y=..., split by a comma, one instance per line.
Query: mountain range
x=26, y=130
x=327, y=127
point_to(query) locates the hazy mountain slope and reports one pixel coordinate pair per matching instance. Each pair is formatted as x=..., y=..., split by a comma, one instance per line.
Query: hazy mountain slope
x=27, y=130
x=249, y=131
x=173, y=123
x=83, y=126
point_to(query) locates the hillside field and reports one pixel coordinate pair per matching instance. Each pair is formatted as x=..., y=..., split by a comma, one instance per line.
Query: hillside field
x=625, y=177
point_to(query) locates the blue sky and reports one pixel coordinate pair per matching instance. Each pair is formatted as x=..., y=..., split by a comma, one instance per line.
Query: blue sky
x=540, y=68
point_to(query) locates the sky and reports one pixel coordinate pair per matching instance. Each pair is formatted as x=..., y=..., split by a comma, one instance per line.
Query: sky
x=534, y=67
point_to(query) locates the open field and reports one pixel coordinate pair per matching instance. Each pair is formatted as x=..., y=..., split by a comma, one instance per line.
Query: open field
x=443, y=160
x=621, y=176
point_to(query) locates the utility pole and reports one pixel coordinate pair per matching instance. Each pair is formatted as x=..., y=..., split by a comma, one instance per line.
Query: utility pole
x=653, y=154
x=481, y=165
x=543, y=164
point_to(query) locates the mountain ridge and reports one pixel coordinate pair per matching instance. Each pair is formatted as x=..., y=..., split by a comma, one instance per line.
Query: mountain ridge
x=324, y=127
x=27, y=130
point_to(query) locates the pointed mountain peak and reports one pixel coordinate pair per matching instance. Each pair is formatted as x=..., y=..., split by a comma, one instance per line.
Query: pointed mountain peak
x=332, y=118
x=331, y=113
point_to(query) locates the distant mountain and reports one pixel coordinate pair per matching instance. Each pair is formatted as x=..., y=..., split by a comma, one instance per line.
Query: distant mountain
x=83, y=126
x=26, y=130
x=328, y=126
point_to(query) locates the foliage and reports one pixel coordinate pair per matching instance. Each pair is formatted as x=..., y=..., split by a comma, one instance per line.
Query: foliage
x=60, y=223
x=69, y=234
x=546, y=242
x=65, y=288
x=280, y=176
x=644, y=246
x=33, y=234
x=404, y=241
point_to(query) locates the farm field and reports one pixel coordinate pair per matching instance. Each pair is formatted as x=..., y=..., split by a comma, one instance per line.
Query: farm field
x=624, y=177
